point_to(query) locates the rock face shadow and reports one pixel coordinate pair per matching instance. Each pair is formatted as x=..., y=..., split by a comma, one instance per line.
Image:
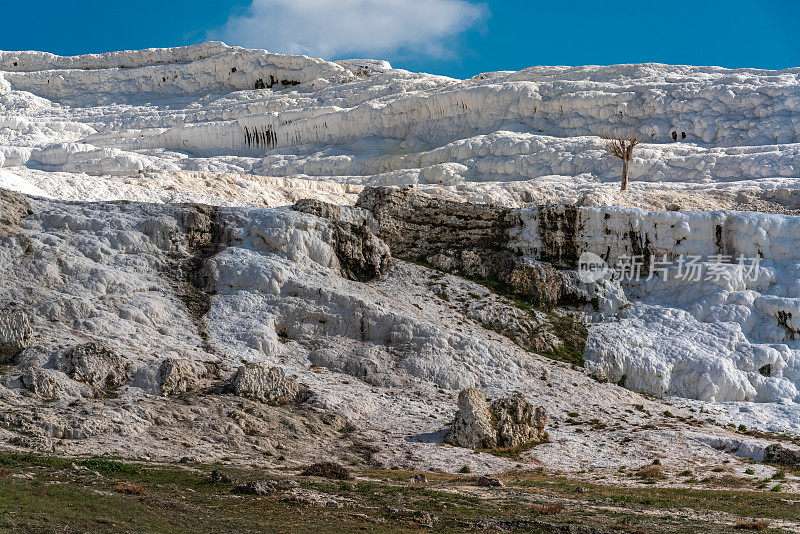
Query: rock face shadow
x=429, y=437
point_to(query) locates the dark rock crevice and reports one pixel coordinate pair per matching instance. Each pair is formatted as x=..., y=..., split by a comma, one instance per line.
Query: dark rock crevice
x=205, y=236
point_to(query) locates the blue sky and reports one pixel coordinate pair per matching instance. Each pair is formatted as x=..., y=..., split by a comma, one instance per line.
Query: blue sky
x=454, y=37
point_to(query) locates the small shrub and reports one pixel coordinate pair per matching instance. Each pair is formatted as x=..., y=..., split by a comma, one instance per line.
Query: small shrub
x=779, y=475
x=552, y=508
x=465, y=469
x=650, y=472
x=752, y=524
x=749, y=471
x=330, y=470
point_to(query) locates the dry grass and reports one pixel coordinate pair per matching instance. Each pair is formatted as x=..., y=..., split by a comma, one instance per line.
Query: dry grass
x=551, y=508
x=752, y=524
x=330, y=470
x=650, y=472
x=130, y=488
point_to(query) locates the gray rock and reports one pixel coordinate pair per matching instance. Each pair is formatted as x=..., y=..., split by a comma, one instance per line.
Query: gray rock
x=419, y=478
x=461, y=237
x=536, y=281
x=362, y=255
x=41, y=382
x=472, y=427
x=178, y=376
x=254, y=488
x=778, y=454
x=261, y=382
x=505, y=423
x=16, y=334
x=517, y=421
x=13, y=208
x=489, y=482
x=96, y=365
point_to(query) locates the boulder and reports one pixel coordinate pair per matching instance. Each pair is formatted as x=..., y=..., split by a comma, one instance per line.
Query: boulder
x=40, y=382
x=177, y=376
x=536, y=281
x=261, y=382
x=256, y=487
x=16, y=334
x=517, y=421
x=329, y=470
x=96, y=365
x=504, y=423
x=778, y=454
x=472, y=427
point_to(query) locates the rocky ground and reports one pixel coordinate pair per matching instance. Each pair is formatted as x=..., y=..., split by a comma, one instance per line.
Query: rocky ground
x=223, y=268
x=151, y=332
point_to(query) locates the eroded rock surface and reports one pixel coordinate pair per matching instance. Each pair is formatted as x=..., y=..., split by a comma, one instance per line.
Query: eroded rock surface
x=262, y=382
x=95, y=364
x=13, y=208
x=506, y=422
x=16, y=333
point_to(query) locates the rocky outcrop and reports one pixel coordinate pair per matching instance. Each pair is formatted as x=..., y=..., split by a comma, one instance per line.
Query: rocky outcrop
x=176, y=376
x=260, y=382
x=505, y=423
x=535, y=280
x=459, y=237
x=96, y=365
x=13, y=208
x=16, y=333
x=362, y=255
x=778, y=454
x=40, y=382
x=517, y=422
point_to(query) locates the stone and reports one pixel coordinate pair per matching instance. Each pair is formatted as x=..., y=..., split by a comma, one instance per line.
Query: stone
x=472, y=427
x=16, y=334
x=459, y=237
x=419, y=478
x=256, y=487
x=507, y=422
x=95, y=364
x=778, y=454
x=260, y=382
x=536, y=281
x=517, y=421
x=220, y=478
x=13, y=208
x=40, y=382
x=489, y=482
x=177, y=376
x=362, y=255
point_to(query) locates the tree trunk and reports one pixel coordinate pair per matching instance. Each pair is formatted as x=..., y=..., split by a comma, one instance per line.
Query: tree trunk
x=624, y=174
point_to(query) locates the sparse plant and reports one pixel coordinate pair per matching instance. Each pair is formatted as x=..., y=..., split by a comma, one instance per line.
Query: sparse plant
x=650, y=472
x=553, y=508
x=130, y=489
x=621, y=134
x=752, y=524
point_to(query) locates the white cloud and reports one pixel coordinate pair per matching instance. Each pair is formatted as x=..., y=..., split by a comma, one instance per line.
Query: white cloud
x=336, y=28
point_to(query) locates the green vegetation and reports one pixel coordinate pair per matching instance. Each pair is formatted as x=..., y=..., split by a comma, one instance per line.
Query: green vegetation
x=48, y=494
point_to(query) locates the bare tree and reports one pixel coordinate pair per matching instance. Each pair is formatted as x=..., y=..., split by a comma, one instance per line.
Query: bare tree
x=621, y=134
